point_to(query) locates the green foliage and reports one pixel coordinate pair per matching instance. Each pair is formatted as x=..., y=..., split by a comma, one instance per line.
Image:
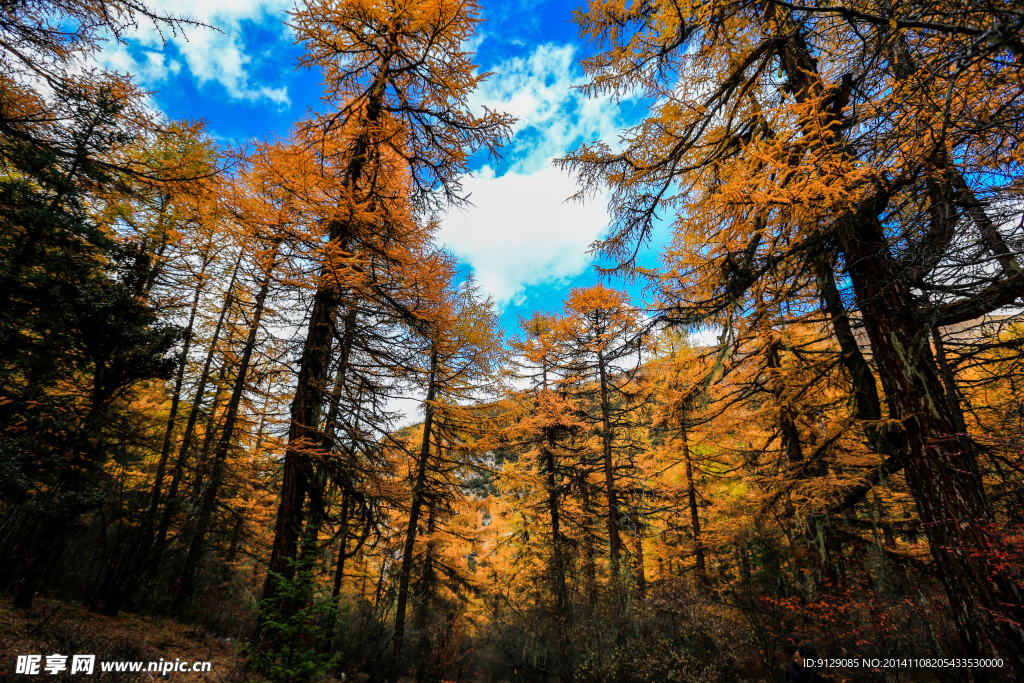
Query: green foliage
x=294, y=628
x=73, y=335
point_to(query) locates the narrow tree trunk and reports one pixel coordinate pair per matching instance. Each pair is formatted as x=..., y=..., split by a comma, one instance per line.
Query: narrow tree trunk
x=589, y=559
x=344, y=352
x=867, y=405
x=744, y=556
x=557, y=542
x=339, y=572
x=236, y=537
x=691, y=492
x=949, y=382
x=990, y=234
x=641, y=572
x=426, y=593
x=816, y=531
x=331, y=430
x=213, y=428
x=614, y=541
x=414, y=514
x=172, y=418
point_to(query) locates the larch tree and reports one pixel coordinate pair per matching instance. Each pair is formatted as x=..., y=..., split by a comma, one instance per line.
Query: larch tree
x=266, y=213
x=396, y=84
x=679, y=389
x=544, y=422
x=462, y=353
x=601, y=340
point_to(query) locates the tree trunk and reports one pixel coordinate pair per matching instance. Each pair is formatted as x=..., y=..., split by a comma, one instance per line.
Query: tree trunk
x=691, y=492
x=172, y=418
x=339, y=572
x=418, y=491
x=213, y=428
x=426, y=593
x=589, y=559
x=949, y=383
x=867, y=405
x=986, y=598
x=987, y=601
x=641, y=572
x=557, y=542
x=302, y=437
x=614, y=541
x=307, y=403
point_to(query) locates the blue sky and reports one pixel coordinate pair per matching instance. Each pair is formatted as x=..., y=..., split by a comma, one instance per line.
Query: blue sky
x=524, y=243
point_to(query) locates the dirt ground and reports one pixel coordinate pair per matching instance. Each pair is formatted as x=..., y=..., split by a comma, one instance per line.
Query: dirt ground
x=54, y=627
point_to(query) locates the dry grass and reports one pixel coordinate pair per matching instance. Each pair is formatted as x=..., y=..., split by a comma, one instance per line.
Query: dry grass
x=59, y=628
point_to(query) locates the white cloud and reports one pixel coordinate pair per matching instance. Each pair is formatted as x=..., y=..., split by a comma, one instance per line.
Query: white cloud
x=152, y=69
x=521, y=230
x=211, y=55
x=553, y=115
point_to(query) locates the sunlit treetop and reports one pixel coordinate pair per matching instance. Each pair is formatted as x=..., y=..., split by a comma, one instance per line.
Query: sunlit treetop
x=398, y=73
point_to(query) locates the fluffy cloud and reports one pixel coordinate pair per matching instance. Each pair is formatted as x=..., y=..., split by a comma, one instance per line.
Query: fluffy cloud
x=213, y=53
x=151, y=68
x=521, y=231
x=540, y=90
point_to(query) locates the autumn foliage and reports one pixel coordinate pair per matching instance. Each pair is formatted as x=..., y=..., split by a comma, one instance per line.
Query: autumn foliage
x=807, y=430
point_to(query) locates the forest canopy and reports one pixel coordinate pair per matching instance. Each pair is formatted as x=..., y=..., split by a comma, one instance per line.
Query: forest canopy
x=785, y=424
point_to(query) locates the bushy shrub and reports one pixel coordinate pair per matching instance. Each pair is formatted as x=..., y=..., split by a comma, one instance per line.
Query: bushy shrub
x=293, y=629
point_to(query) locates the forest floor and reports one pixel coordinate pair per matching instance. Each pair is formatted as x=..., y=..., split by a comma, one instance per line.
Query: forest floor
x=59, y=628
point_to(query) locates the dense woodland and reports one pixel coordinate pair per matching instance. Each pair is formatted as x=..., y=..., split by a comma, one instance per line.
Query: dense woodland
x=202, y=348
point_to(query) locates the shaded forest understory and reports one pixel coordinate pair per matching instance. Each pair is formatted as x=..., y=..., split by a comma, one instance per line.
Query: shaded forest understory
x=202, y=349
